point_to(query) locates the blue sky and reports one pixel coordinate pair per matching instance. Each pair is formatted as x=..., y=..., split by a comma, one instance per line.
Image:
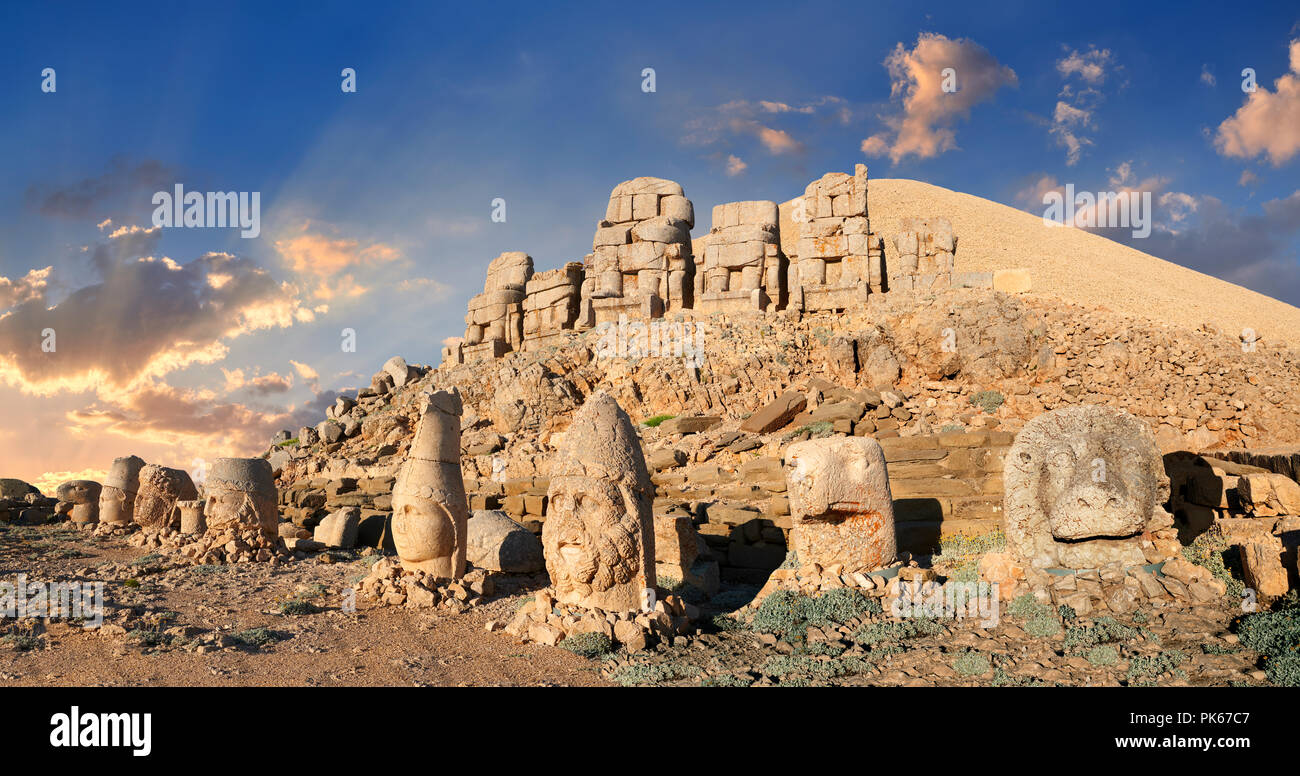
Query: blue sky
x=376, y=205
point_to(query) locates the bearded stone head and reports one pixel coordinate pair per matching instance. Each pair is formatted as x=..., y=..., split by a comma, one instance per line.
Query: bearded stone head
x=1084, y=486
x=598, y=538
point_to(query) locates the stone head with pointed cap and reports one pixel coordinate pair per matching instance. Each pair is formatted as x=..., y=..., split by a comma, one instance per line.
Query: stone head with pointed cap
x=430, y=512
x=598, y=536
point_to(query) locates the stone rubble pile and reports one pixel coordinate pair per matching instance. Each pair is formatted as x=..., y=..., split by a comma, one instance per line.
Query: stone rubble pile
x=391, y=583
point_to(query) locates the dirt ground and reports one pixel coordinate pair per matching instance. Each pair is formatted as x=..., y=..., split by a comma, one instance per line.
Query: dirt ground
x=178, y=627
x=259, y=624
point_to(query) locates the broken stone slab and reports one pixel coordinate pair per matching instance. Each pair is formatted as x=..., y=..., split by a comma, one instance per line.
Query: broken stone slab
x=1269, y=494
x=689, y=424
x=497, y=543
x=339, y=529
x=1012, y=281
x=1261, y=564
x=775, y=414
x=668, y=458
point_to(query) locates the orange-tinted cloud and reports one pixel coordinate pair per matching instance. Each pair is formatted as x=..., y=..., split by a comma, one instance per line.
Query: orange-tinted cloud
x=925, y=126
x=312, y=253
x=27, y=288
x=1268, y=124
x=147, y=317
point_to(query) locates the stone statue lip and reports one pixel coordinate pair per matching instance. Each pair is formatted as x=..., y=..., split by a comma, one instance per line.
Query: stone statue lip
x=1097, y=538
x=842, y=510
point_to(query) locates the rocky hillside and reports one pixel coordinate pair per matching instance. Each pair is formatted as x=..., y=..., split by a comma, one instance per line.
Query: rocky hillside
x=969, y=364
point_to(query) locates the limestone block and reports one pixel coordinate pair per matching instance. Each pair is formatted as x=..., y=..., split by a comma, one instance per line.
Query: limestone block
x=1012, y=281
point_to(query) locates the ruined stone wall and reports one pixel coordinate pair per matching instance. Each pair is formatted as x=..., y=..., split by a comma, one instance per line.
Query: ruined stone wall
x=943, y=485
x=926, y=249
x=643, y=265
x=551, y=303
x=494, y=321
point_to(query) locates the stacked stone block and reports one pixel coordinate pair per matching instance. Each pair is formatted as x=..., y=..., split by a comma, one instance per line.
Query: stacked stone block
x=641, y=263
x=840, y=263
x=494, y=324
x=551, y=304
x=742, y=267
x=926, y=250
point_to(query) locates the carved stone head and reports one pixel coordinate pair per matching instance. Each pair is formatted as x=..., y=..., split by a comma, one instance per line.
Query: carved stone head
x=598, y=537
x=241, y=494
x=1083, y=486
x=160, y=488
x=430, y=512
x=840, y=505
x=83, y=495
x=117, y=496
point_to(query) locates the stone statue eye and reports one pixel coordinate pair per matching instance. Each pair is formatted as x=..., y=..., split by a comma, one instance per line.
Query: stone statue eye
x=1061, y=459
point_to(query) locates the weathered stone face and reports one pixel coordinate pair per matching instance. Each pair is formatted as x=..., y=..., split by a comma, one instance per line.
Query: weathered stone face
x=83, y=495
x=430, y=511
x=241, y=494
x=160, y=490
x=117, y=496
x=1084, y=487
x=598, y=538
x=840, y=505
